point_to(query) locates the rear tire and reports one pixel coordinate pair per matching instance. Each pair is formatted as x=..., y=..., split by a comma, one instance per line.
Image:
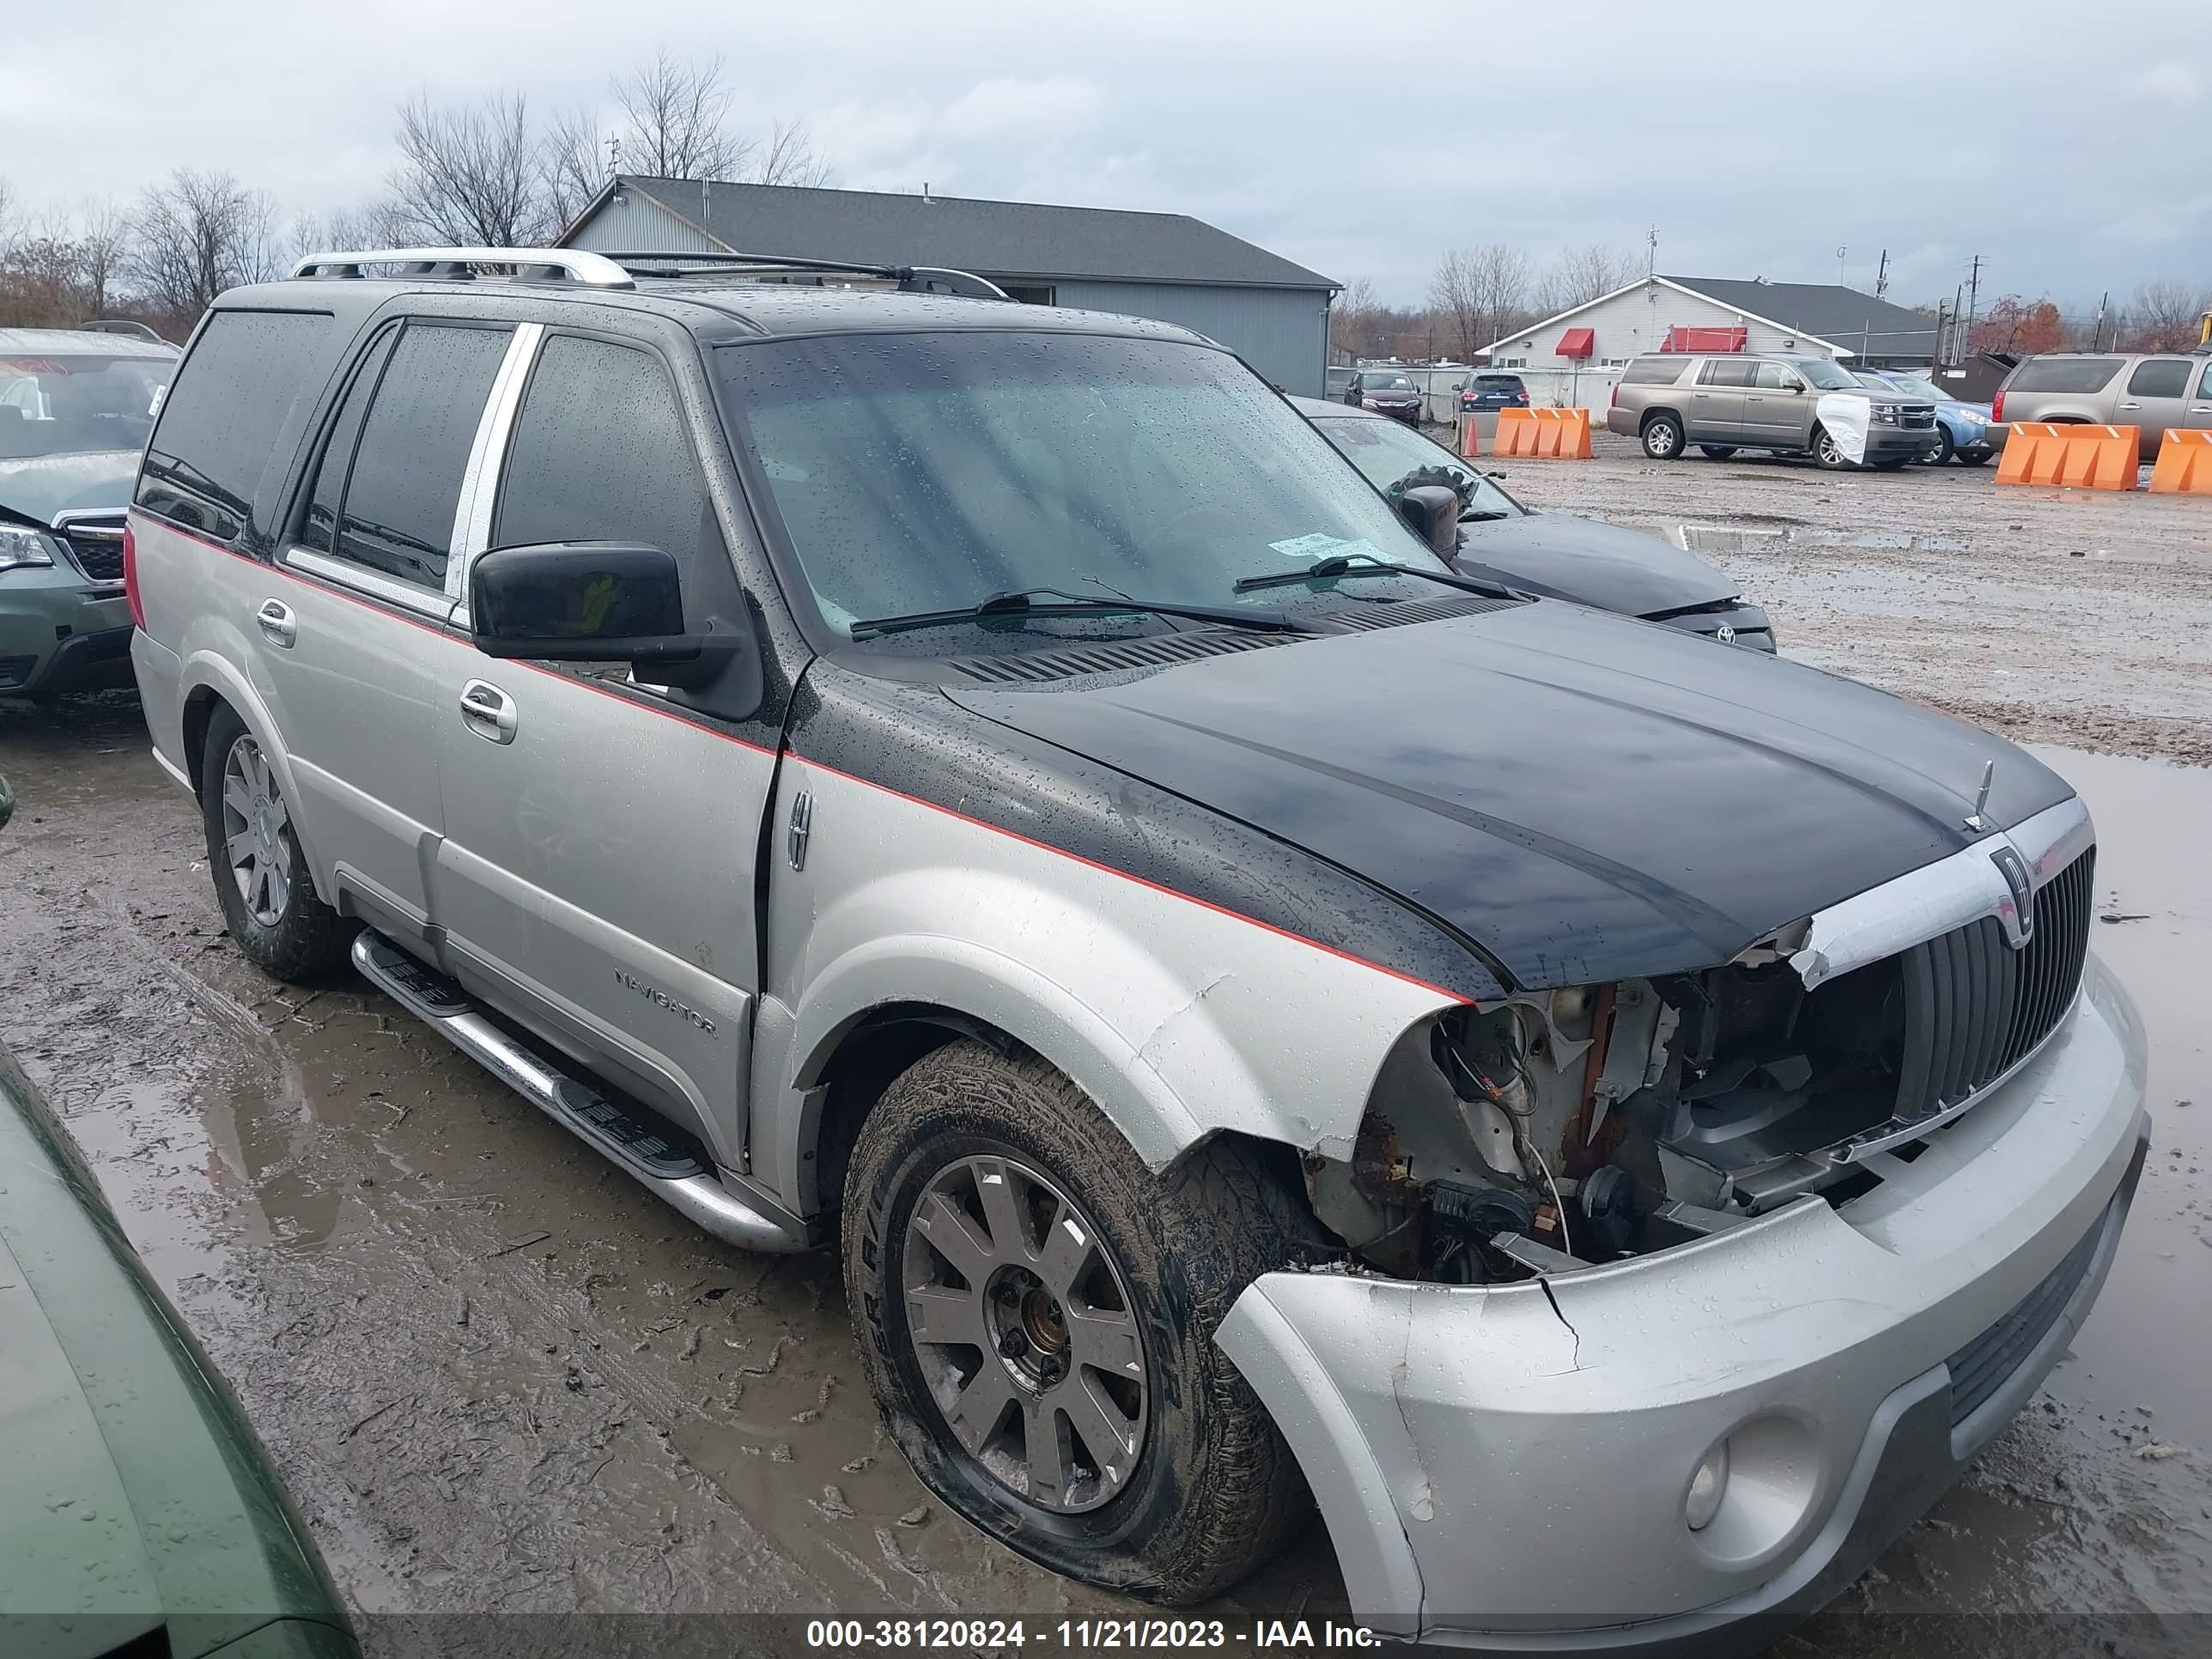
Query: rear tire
x=1206, y=1486
x=1716, y=452
x=261, y=876
x=1975, y=458
x=1662, y=437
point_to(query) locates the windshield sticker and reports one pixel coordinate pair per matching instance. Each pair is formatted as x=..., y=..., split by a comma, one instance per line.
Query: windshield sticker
x=1307, y=548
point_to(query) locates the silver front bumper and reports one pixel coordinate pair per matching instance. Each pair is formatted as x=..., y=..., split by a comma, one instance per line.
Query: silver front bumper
x=1506, y=1469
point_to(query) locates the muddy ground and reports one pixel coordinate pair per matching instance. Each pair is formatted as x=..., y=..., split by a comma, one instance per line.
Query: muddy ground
x=2074, y=616
x=500, y=1378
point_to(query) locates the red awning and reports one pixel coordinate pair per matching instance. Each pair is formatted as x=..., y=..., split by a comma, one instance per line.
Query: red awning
x=1578, y=343
x=1706, y=339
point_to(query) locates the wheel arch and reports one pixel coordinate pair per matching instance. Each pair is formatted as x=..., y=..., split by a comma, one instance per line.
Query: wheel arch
x=211, y=681
x=1656, y=410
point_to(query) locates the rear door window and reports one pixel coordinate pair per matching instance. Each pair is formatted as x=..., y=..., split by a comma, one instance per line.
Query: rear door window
x=2064, y=374
x=234, y=395
x=2161, y=377
x=1727, y=371
x=406, y=482
x=601, y=454
x=318, y=524
x=1653, y=371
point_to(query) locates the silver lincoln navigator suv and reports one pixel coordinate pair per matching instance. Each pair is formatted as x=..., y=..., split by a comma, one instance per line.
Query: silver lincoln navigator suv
x=1269, y=1021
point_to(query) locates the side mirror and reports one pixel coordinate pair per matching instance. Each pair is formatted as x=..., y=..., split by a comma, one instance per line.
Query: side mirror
x=1433, y=511
x=592, y=602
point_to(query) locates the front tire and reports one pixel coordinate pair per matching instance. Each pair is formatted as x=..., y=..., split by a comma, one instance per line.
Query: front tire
x=1036, y=1311
x=261, y=876
x=1662, y=437
x=1945, y=449
x=1829, y=453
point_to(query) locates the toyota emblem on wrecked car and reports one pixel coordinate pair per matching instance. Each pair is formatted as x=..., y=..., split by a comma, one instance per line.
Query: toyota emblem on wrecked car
x=2020, y=926
x=1725, y=634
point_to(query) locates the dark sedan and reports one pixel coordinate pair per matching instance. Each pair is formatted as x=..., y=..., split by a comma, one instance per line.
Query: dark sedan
x=1553, y=554
x=1385, y=391
x=1485, y=392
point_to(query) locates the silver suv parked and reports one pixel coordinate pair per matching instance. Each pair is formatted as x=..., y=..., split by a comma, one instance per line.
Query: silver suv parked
x=1267, y=1020
x=2150, y=390
x=1792, y=405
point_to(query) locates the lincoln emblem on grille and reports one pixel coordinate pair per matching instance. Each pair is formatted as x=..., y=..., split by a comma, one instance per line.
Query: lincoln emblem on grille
x=2020, y=926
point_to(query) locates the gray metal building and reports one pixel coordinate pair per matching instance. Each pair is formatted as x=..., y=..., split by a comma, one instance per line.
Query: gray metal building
x=1168, y=266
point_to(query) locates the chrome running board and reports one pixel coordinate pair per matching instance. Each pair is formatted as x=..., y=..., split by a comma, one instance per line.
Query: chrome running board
x=705, y=1195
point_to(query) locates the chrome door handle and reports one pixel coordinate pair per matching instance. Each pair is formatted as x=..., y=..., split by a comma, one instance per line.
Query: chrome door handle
x=488, y=711
x=278, y=622
x=2130, y=405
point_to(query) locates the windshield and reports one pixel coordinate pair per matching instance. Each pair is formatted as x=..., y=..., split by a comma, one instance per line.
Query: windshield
x=69, y=405
x=1824, y=374
x=1386, y=451
x=1919, y=387
x=924, y=472
x=1370, y=381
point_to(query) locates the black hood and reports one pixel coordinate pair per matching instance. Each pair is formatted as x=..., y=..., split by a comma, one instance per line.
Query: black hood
x=1601, y=564
x=1581, y=796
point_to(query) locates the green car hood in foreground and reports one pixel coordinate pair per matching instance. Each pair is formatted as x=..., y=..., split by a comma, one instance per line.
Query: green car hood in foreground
x=133, y=1496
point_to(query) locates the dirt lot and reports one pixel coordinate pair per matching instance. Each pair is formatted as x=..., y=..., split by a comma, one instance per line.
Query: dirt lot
x=500, y=1378
x=2072, y=616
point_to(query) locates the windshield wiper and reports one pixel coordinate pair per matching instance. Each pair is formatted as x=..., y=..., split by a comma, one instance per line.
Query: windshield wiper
x=1064, y=604
x=1340, y=564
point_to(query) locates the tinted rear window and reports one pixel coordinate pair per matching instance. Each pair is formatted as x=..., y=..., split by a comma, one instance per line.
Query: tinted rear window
x=2161, y=377
x=2064, y=374
x=1654, y=371
x=1498, y=382
x=235, y=394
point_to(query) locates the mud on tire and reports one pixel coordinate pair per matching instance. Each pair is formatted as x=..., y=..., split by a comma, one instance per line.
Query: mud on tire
x=1213, y=1487
x=306, y=941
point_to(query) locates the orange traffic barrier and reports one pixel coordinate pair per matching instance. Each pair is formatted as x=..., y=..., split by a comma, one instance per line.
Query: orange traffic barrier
x=1556, y=434
x=2185, y=464
x=2073, y=457
x=1470, y=443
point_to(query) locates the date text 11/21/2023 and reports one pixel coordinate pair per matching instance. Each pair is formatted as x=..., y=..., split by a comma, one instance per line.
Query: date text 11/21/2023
x=1126, y=1635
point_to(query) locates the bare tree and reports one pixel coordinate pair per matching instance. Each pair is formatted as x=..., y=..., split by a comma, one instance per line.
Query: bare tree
x=2166, y=315
x=1581, y=274
x=575, y=160
x=1352, y=318
x=472, y=176
x=1480, y=293
x=103, y=241
x=195, y=236
x=677, y=117
x=787, y=156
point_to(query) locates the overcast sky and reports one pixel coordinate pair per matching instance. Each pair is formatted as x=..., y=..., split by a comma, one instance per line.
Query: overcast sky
x=2071, y=147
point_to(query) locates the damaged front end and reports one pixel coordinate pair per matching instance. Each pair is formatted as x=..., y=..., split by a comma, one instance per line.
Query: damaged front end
x=1572, y=1126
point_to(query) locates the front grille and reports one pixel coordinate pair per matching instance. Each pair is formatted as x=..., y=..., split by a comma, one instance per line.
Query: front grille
x=95, y=549
x=1979, y=1369
x=1974, y=1007
x=1923, y=418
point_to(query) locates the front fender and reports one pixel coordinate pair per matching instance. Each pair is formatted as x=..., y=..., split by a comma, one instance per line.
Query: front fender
x=1177, y=1017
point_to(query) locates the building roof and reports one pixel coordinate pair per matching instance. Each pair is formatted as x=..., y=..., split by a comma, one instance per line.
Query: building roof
x=1828, y=311
x=1007, y=239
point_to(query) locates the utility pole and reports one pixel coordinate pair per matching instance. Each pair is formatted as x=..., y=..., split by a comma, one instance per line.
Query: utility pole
x=614, y=154
x=1940, y=357
x=1973, y=290
x=1840, y=265
x=1881, y=276
x=1651, y=253
x=2097, y=333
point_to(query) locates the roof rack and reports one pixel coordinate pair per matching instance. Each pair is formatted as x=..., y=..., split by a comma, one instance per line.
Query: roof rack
x=910, y=279
x=465, y=264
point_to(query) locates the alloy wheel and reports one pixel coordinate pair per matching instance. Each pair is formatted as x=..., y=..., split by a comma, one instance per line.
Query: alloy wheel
x=256, y=832
x=1025, y=1334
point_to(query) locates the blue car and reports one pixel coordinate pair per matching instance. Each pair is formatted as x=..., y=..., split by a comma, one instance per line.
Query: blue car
x=1970, y=433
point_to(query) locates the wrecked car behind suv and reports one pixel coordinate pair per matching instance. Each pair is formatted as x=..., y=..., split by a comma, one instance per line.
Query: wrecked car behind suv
x=1265, y=1017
